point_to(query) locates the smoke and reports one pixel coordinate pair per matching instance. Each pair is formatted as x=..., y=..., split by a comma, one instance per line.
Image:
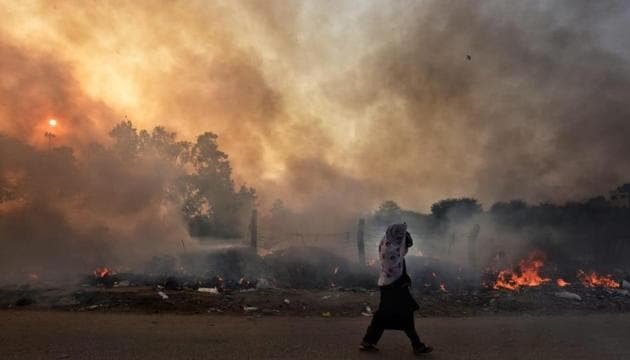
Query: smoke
x=330, y=106
x=537, y=112
x=64, y=215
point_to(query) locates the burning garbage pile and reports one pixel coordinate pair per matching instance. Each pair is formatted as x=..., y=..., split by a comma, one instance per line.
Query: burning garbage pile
x=529, y=273
x=313, y=281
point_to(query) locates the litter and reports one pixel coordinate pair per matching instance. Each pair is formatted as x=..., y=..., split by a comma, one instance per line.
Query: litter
x=250, y=308
x=213, y=290
x=263, y=283
x=163, y=295
x=287, y=301
x=568, y=295
x=326, y=314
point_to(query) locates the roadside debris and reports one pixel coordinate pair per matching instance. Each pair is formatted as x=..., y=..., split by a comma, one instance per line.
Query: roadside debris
x=263, y=283
x=568, y=295
x=326, y=314
x=213, y=290
x=287, y=301
x=163, y=295
x=250, y=308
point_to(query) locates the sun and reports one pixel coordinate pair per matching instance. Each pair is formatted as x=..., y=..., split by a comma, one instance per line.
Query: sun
x=52, y=123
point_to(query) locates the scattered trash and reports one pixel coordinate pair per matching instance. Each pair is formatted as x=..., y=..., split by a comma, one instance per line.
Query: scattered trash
x=213, y=309
x=287, y=301
x=93, y=307
x=326, y=314
x=250, y=308
x=269, y=311
x=213, y=290
x=367, y=312
x=124, y=283
x=568, y=295
x=248, y=290
x=325, y=297
x=263, y=283
x=163, y=295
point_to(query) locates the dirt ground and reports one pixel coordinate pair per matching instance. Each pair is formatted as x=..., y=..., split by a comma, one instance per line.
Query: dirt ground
x=88, y=335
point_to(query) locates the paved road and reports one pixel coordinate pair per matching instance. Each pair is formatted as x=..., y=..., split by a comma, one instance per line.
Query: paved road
x=62, y=335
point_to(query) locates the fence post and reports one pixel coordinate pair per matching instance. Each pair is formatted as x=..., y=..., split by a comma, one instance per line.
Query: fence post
x=253, y=231
x=360, y=242
x=472, y=247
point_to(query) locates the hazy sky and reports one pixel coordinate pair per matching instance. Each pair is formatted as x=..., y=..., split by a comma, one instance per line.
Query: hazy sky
x=341, y=102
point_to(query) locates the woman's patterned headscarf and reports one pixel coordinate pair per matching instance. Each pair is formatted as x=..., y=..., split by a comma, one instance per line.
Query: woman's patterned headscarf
x=391, y=250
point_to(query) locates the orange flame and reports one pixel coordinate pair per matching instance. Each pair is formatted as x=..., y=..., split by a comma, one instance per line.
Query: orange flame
x=527, y=274
x=592, y=279
x=560, y=282
x=102, y=272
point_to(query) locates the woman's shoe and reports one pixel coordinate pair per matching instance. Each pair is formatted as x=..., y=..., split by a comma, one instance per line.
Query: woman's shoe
x=365, y=346
x=422, y=350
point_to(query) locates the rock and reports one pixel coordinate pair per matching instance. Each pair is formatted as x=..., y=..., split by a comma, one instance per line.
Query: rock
x=568, y=295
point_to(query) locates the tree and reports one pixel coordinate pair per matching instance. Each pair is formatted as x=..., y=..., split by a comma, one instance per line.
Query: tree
x=211, y=205
x=455, y=209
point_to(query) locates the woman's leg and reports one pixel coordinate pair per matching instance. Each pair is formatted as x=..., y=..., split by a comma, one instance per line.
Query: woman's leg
x=410, y=331
x=374, y=331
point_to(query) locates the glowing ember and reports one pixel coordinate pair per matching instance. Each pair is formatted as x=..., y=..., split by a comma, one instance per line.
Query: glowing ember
x=592, y=279
x=526, y=275
x=102, y=272
x=52, y=123
x=560, y=282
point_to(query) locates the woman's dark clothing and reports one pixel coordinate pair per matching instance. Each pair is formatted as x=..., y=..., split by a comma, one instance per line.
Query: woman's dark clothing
x=395, y=312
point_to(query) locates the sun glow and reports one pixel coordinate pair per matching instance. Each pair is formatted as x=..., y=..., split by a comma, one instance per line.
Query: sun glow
x=52, y=123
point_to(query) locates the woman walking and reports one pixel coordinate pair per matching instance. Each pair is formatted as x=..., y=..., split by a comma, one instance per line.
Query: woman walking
x=396, y=307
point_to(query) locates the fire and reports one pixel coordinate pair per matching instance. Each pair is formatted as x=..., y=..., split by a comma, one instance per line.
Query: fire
x=526, y=275
x=102, y=272
x=592, y=279
x=560, y=282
